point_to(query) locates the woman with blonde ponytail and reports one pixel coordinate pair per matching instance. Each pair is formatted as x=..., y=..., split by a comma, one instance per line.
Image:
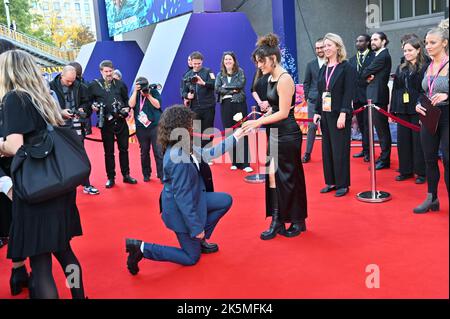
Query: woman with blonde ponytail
x=37, y=230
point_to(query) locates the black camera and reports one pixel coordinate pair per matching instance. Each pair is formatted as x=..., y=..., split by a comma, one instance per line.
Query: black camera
x=117, y=110
x=193, y=79
x=144, y=86
x=77, y=113
x=101, y=114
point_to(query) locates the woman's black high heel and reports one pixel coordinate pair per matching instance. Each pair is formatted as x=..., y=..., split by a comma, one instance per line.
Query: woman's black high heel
x=19, y=280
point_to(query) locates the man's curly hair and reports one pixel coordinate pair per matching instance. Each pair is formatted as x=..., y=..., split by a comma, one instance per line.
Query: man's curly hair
x=175, y=117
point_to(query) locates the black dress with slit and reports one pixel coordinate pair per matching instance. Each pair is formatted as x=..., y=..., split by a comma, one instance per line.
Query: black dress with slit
x=284, y=148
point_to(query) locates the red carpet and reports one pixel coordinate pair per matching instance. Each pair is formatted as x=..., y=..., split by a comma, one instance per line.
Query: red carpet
x=328, y=261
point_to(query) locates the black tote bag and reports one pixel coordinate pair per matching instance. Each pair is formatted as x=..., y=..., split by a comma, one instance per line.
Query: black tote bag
x=53, y=167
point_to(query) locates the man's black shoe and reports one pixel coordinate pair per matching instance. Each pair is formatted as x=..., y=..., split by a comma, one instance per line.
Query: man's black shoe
x=110, y=183
x=358, y=155
x=420, y=180
x=366, y=158
x=129, y=180
x=403, y=177
x=306, y=158
x=208, y=248
x=328, y=189
x=146, y=178
x=382, y=165
x=341, y=192
x=133, y=248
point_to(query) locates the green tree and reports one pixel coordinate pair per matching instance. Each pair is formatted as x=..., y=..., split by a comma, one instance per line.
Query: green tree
x=83, y=36
x=19, y=11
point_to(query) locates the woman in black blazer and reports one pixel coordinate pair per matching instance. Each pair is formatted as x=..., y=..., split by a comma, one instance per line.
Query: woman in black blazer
x=230, y=87
x=405, y=94
x=336, y=87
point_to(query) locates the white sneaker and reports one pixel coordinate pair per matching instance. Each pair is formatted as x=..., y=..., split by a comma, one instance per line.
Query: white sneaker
x=248, y=169
x=91, y=190
x=233, y=168
x=211, y=163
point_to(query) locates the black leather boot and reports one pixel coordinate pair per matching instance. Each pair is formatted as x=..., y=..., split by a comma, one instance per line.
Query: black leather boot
x=19, y=280
x=295, y=229
x=275, y=228
x=133, y=248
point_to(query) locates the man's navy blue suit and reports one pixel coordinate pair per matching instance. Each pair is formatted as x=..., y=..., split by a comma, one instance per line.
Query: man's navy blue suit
x=187, y=208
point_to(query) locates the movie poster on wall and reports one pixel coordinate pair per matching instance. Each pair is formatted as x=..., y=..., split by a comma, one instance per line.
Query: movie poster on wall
x=128, y=15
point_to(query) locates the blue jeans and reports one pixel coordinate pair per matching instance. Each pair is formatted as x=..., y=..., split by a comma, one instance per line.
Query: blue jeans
x=189, y=253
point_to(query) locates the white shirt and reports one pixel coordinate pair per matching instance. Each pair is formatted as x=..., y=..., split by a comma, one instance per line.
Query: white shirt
x=379, y=51
x=195, y=161
x=321, y=62
x=5, y=184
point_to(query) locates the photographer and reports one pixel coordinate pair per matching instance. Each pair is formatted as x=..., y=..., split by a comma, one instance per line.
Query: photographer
x=198, y=93
x=74, y=101
x=111, y=102
x=146, y=116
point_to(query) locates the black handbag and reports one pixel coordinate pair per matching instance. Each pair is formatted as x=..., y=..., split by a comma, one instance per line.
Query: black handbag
x=54, y=166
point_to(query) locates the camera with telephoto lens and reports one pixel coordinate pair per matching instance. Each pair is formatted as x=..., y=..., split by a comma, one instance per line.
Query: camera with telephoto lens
x=101, y=113
x=193, y=79
x=117, y=110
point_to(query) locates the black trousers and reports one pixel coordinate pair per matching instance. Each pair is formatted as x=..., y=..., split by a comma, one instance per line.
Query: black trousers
x=147, y=138
x=363, y=125
x=206, y=118
x=239, y=154
x=430, y=145
x=87, y=182
x=410, y=153
x=116, y=129
x=336, y=150
x=381, y=124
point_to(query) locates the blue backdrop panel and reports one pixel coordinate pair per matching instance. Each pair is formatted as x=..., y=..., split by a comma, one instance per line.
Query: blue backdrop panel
x=125, y=55
x=212, y=34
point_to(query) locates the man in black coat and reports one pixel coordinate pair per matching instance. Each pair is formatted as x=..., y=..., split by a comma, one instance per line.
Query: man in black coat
x=113, y=94
x=377, y=75
x=311, y=95
x=74, y=100
x=360, y=61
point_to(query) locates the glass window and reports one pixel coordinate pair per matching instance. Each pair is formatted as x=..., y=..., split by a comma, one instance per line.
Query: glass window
x=45, y=6
x=437, y=6
x=56, y=6
x=387, y=13
x=86, y=7
x=66, y=6
x=406, y=9
x=77, y=6
x=422, y=7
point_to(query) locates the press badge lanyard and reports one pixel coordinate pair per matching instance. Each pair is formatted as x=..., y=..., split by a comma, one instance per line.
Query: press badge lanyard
x=328, y=78
x=142, y=117
x=430, y=82
x=142, y=102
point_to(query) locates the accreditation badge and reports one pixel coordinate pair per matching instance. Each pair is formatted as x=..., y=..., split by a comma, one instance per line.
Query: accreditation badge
x=326, y=102
x=406, y=98
x=144, y=119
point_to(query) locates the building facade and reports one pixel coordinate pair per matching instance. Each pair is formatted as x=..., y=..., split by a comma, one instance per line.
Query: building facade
x=71, y=12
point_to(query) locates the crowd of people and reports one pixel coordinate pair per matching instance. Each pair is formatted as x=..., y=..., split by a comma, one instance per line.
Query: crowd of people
x=335, y=86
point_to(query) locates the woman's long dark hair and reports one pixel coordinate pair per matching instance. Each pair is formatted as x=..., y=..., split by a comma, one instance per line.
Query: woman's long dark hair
x=223, y=69
x=175, y=117
x=416, y=43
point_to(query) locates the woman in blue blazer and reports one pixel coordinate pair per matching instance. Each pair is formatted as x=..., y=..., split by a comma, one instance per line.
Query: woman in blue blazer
x=187, y=208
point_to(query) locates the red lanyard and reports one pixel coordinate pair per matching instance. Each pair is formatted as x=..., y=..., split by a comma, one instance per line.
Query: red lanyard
x=328, y=78
x=431, y=83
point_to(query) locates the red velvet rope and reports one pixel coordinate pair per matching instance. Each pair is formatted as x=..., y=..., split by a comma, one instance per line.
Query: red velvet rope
x=399, y=120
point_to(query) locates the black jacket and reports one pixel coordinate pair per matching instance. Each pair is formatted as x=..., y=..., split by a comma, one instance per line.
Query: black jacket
x=361, y=86
x=224, y=88
x=342, y=88
x=378, y=90
x=204, y=97
x=80, y=92
x=310, y=82
x=99, y=94
x=410, y=82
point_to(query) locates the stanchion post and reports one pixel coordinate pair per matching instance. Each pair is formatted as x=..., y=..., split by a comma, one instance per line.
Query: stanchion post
x=372, y=196
x=256, y=178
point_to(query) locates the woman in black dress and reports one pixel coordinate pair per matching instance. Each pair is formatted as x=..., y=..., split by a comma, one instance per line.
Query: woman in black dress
x=46, y=228
x=285, y=187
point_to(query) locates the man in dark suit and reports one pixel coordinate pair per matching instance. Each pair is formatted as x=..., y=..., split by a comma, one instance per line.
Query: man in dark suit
x=311, y=95
x=361, y=60
x=377, y=75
